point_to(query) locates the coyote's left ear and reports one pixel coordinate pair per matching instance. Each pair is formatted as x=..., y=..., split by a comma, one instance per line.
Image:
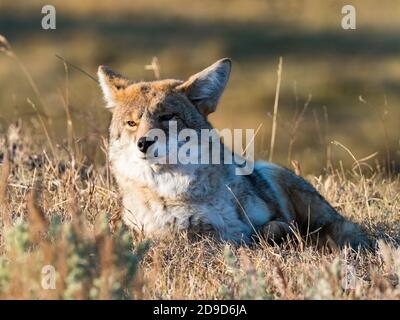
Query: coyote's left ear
x=111, y=84
x=206, y=87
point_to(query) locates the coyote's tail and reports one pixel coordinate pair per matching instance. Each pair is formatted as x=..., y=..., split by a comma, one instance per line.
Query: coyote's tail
x=309, y=212
x=342, y=232
x=313, y=212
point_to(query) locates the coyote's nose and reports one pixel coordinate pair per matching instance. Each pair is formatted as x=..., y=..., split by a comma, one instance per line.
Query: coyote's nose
x=143, y=144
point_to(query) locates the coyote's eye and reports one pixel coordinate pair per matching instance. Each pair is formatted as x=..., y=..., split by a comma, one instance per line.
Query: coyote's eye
x=131, y=123
x=166, y=117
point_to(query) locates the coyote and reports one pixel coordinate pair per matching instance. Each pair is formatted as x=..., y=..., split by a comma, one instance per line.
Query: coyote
x=159, y=199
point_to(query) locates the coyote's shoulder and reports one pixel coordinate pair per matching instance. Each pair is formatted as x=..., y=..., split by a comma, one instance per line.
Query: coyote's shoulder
x=204, y=198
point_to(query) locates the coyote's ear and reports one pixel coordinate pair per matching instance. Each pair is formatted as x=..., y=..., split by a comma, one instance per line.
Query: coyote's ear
x=111, y=84
x=205, y=88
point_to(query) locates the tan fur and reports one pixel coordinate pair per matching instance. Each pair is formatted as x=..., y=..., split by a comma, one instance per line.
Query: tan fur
x=312, y=215
x=161, y=199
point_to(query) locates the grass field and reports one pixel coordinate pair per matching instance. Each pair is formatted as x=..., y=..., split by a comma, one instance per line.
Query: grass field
x=338, y=119
x=56, y=211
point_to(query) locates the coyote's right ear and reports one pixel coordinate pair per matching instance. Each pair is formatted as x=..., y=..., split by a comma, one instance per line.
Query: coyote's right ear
x=111, y=84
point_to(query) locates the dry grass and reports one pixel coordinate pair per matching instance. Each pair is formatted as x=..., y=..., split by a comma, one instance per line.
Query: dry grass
x=43, y=195
x=54, y=210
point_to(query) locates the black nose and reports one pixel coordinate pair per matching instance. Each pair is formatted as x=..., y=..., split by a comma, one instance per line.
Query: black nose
x=143, y=144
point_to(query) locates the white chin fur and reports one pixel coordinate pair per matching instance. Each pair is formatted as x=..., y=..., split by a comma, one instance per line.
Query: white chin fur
x=129, y=167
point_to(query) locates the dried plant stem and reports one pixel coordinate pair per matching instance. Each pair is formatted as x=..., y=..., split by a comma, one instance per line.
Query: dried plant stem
x=328, y=150
x=358, y=164
x=155, y=67
x=76, y=67
x=29, y=78
x=243, y=211
x=252, y=139
x=298, y=118
x=4, y=173
x=37, y=219
x=70, y=127
x=276, y=103
x=5, y=47
x=386, y=135
x=53, y=151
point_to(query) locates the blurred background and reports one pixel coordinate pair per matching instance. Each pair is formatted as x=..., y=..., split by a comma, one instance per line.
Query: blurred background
x=337, y=85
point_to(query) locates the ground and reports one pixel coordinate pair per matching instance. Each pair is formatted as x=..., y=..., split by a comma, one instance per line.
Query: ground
x=91, y=262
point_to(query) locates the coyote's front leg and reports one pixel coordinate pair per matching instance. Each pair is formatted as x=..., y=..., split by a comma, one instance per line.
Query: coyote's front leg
x=275, y=230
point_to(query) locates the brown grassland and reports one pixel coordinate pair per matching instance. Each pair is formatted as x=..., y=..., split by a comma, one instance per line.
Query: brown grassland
x=55, y=210
x=59, y=204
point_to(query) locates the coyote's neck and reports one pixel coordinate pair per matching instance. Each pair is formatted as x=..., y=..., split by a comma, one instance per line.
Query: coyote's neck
x=184, y=182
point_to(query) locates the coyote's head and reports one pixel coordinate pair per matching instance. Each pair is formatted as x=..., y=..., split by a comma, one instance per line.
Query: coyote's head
x=140, y=110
